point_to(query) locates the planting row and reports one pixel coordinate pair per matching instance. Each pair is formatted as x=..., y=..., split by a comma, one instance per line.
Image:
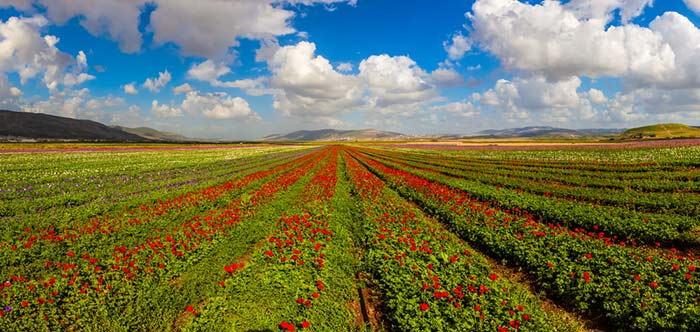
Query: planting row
x=639, y=289
x=594, y=189
x=141, y=277
x=640, y=226
x=431, y=280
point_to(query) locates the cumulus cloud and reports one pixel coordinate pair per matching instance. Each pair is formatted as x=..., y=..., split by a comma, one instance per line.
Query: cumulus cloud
x=597, y=96
x=25, y=51
x=208, y=29
x=307, y=85
x=563, y=40
x=117, y=19
x=345, y=67
x=131, y=88
x=154, y=84
x=211, y=27
x=457, y=46
x=629, y=9
x=210, y=71
x=165, y=111
x=550, y=39
x=18, y=4
x=183, y=88
x=79, y=104
x=463, y=109
x=521, y=98
x=218, y=106
x=444, y=76
x=395, y=81
x=694, y=5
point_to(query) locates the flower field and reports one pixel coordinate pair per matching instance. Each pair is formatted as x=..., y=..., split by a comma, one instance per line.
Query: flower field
x=350, y=238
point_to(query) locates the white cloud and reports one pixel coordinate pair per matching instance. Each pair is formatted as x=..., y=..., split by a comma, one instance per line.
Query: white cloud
x=522, y=98
x=208, y=71
x=345, y=67
x=118, y=19
x=78, y=104
x=18, y=4
x=597, y=96
x=694, y=5
x=603, y=9
x=395, y=81
x=212, y=26
x=457, y=46
x=131, y=88
x=25, y=51
x=184, y=88
x=268, y=48
x=555, y=41
x=460, y=108
x=165, y=111
x=308, y=86
x=154, y=84
x=218, y=106
x=446, y=77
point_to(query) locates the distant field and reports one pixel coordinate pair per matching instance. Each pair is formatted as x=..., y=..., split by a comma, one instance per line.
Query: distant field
x=415, y=236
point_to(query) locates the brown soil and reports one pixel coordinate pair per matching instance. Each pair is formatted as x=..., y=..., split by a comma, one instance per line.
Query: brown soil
x=368, y=310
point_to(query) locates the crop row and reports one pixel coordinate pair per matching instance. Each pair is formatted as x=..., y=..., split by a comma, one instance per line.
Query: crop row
x=560, y=187
x=431, y=280
x=83, y=289
x=634, y=288
x=300, y=277
x=618, y=221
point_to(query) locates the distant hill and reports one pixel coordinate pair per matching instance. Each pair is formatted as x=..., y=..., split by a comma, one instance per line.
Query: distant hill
x=337, y=135
x=49, y=127
x=154, y=135
x=544, y=132
x=661, y=131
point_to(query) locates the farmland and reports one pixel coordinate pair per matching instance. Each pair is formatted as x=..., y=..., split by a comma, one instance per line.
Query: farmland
x=358, y=237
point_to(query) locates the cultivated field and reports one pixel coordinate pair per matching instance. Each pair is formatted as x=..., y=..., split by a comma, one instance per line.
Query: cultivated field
x=406, y=237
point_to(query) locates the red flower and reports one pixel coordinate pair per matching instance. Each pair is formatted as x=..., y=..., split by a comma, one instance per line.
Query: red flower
x=424, y=307
x=493, y=276
x=25, y=303
x=515, y=324
x=287, y=326
x=526, y=317
x=314, y=295
x=190, y=308
x=477, y=308
x=688, y=276
x=586, y=277
x=305, y=324
x=654, y=284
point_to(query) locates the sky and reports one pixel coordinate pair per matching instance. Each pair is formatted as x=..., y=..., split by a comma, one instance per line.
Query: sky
x=244, y=69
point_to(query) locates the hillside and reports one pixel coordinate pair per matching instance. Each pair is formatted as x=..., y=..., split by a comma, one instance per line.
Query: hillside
x=336, y=135
x=43, y=126
x=661, y=131
x=544, y=132
x=153, y=134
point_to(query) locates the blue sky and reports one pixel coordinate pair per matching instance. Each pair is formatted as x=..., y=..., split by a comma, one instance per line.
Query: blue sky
x=243, y=69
